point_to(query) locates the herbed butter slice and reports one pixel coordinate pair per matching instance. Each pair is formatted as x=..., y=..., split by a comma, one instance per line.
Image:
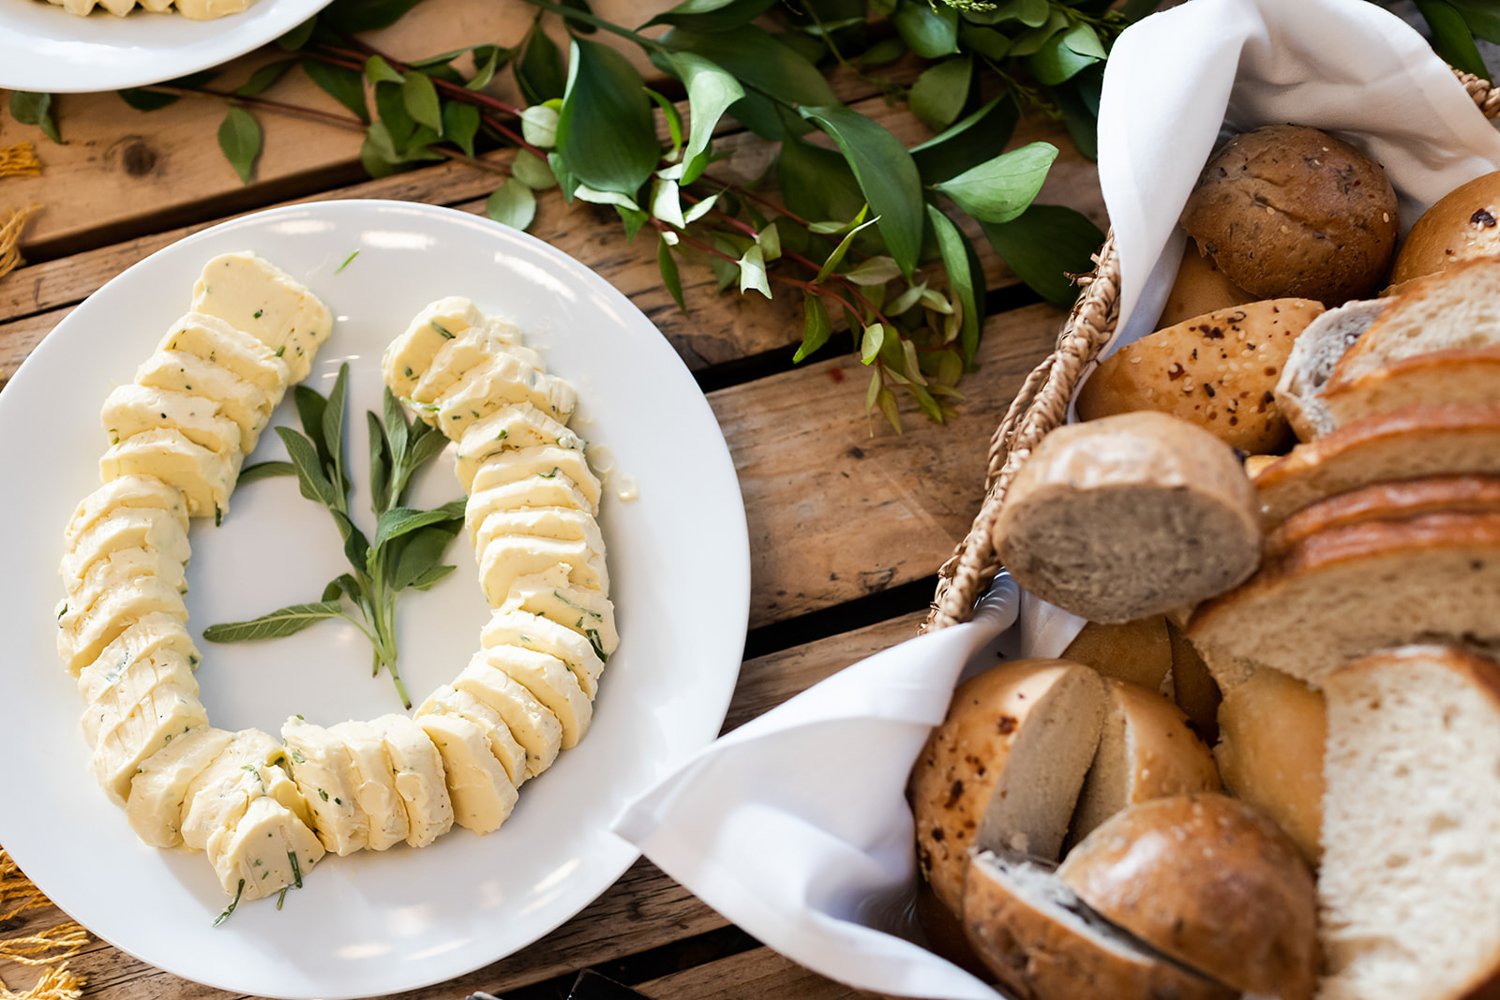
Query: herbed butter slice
x=251, y=767
x=126, y=528
x=531, y=722
x=160, y=786
x=157, y=720
x=324, y=772
x=509, y=557
x=465, y=351
x=208, y=10
x=84, y=639
x=256, y=296
x=552, y=683
x=500, y=381
x=269, y=849
x=136, y=684
x=546, y=461
x=519, y=425
x=206, y=478
x=375, y=790
x=121, y=566
x=149, y=635
x=175, y=371
x=534, y=491
x=409, y=356
x=562, y=523
x=418, y=770
x=535, y=632
x=125, y=492
x=446, y=700
x=232, y=349
x=481, y=791
x=552, y=595
x=132, y=409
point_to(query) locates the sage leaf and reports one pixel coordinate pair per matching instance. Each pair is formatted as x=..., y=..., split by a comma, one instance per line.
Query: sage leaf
x=712, y=15
x=711, y=91
x=420, y=97
x=969, y=142
x=400, y=521
x=265, y=470
x=381, y=465
x=512, y=204
x=423, y=552
x=311, y=480
x=815, y=327
x=1044, y=245
x=670, y=277
x=429, y=578
x=240, y=139
x=284, y=621
x=753, y=271
x=310, y=406
x=604, y=131
x=955, y=251
x=532, y=171
x=426, y=444
x=461, y=125
x=931, y=32
x=333, y=428
x=344, y=85
x=999, y=190
x=758, y=61
x=396, y=429
x=356, y=546
x=262, y=79
x=36, y=109
x=539, y=72
x=941, y=91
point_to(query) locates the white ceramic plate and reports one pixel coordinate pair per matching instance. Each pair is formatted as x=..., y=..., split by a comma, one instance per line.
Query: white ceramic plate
x=44, y=48
x=369, y=923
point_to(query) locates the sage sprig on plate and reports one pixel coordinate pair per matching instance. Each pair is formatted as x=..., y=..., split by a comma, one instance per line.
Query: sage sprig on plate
x=406, y=552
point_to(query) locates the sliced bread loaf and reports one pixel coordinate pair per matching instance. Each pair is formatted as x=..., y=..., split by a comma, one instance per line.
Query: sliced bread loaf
x=1345, y=592
x=1137, y=651
x=1129, y=516
x=1460, y=375
x=1388, y=502
x=1414, y=443
x=1407, y=886
x=1299, y=391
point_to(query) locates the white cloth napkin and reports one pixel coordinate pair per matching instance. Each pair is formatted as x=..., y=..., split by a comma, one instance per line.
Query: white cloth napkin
x=796, y=825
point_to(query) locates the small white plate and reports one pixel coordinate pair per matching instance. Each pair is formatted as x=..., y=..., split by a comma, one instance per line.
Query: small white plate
x=370, y=923
x=44, y=48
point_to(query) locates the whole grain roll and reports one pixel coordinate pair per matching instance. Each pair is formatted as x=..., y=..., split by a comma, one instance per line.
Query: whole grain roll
x=1292, y=211
x=1211, y=882
x=1464, y=224
x=1129, y=516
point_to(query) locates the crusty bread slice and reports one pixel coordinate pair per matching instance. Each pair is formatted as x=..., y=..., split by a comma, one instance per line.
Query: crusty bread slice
x=1129, y=516
x=1193, y=686
x=1460, y=375
x=1043, y=943
x=1414, y=443
x=1299, y=393
x=1407, y=886
x=1346, y=592
x=1004, y=769
x=1388, y=502
x=1146, y=751
x=1137, y=651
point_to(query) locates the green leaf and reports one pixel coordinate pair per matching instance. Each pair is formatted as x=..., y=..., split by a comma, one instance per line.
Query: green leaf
x=532, y=172
x=146, y=100
x=342, y=584
x=837, y=257
x=333, y=429
x=758, y=61
x=1031, y=42
x=381, y=465
x=581, y=27
x=984, y=41
x=886, y=175
x=344, y=85
x=539, y=71
x=672, y=118
x=512, y=204
x=461, y=125
x=753, y=271
x=1044, y=245
x=240, y=139
x=487, y=61
x=352, y=16
x=36, y=109
x=421, y=554
x=666, y=203
x=929, y=32
x=632, y=218
x=428, y=579
x=973, y=140
x=421, y=100
x=294, y=40
x=871, y=342
x=1482, y=16
x=311, y=479
x=711, y=91
x=397, y=430
x=815, y=182
x=264, y=77
x=265, y=470
x=399, y=521
x=941, y=91
x=310, y=406
x=605, y=132
x=885, y=51
x=954, y=249
x=539, y=125
x=667, y=264
x=999, y=190
x=1451, y=37
x=1060, y=58
x=284, y=621
x=356, y=548
x=712, y=15
x=379, y=71
x=426, y=444
x=815, y=327
x=875, y=271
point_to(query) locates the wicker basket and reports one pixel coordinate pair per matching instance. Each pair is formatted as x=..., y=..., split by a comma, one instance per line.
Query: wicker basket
x=1042, y=405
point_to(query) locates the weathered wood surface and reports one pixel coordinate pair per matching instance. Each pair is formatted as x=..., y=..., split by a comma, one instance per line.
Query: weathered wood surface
x=757, y=973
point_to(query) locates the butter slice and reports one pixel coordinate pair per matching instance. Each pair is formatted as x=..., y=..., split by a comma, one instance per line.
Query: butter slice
x=139, y=682
x=232, y=349
x=375, y=788
x=81, y=642
x=519, y=425
x=481, y=792
x=535, y=632
x=119, y=567
x=534, y=491
x=256, y=296
x=510, y=557
x=532, y=723
x=127, y=528
x=552, y=595
x=408, y=357
x=131, y=409
x=562, y=523
x=147, y=636
x=464, y=352
x=165, y=714
x=446, y=700
x=127, y=492
x=501, y=380
x=324, y=772
x=551, y=683
x=418, y=770
x=160, y=786
x=176, y=371
x=206, y=478
x=250, y=768
x=546, y=461
x=269, y=849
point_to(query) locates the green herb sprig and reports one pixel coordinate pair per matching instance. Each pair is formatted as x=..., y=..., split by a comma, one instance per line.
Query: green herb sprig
x=407, y=550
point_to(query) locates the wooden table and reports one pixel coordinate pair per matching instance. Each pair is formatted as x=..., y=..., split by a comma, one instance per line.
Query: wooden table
x=848, y=521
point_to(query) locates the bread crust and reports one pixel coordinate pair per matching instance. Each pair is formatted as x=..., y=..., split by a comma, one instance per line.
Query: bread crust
x=1209, y=881
x=1448, y=377
x=1200, y=288
x=1388, y=502
x=1138, y=651
x=1462, y=225
x=1215, y=370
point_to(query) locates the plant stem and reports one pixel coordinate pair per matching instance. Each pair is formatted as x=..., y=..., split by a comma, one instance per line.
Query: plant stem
x=261, y=104
x=572, y=13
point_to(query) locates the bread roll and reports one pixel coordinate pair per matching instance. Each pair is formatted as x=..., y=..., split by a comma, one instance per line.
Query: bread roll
x=1129, y=516
x=1317, y=352
x=1409, y=828
x=1216, y=371
x=1464, y=224
x=1043, y=944
x=1388, y=502
x=1210, y=882
x=1200, y=288
x=1137, y=651
x=1146, y=751
x=1270, y=753
x=1291, y=211
x=1193, y=687
x=1004, y=769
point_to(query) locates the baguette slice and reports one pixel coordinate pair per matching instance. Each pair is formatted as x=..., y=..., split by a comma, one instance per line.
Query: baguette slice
x=1462, y=375
x=1299, y=393
x=1137, y=651
x=1414, y=443
x=1413, y=803
x=1389, y=502
x=1003, y=770
x=1347, y=592
x=1043, y=943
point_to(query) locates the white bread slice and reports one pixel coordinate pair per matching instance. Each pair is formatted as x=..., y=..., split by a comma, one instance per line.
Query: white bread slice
x=1389, y=502
x=1410, y=819
x=1346, y=592
x=1442, y=377
x=1299, y=393
x=1414, y=443
x=1003, y=770
x=1043, y=943
x=1146, y=751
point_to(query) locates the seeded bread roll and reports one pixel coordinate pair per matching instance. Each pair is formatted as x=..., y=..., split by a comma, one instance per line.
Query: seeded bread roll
x=1464, y=224
x=1099, y=503
x=1212, y=883
x=1137, y=651
x=1003, y=770
x=1292, y=211
x=1200, y=288
x=1388, y=502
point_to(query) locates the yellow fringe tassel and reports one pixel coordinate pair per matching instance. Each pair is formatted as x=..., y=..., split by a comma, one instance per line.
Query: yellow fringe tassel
x=17, y=892
x=19, y=161
x=57, y=983
x=50, y=948
x=10, y=237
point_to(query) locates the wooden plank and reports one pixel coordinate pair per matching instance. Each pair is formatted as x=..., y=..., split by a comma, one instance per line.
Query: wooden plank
x=759, y=972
